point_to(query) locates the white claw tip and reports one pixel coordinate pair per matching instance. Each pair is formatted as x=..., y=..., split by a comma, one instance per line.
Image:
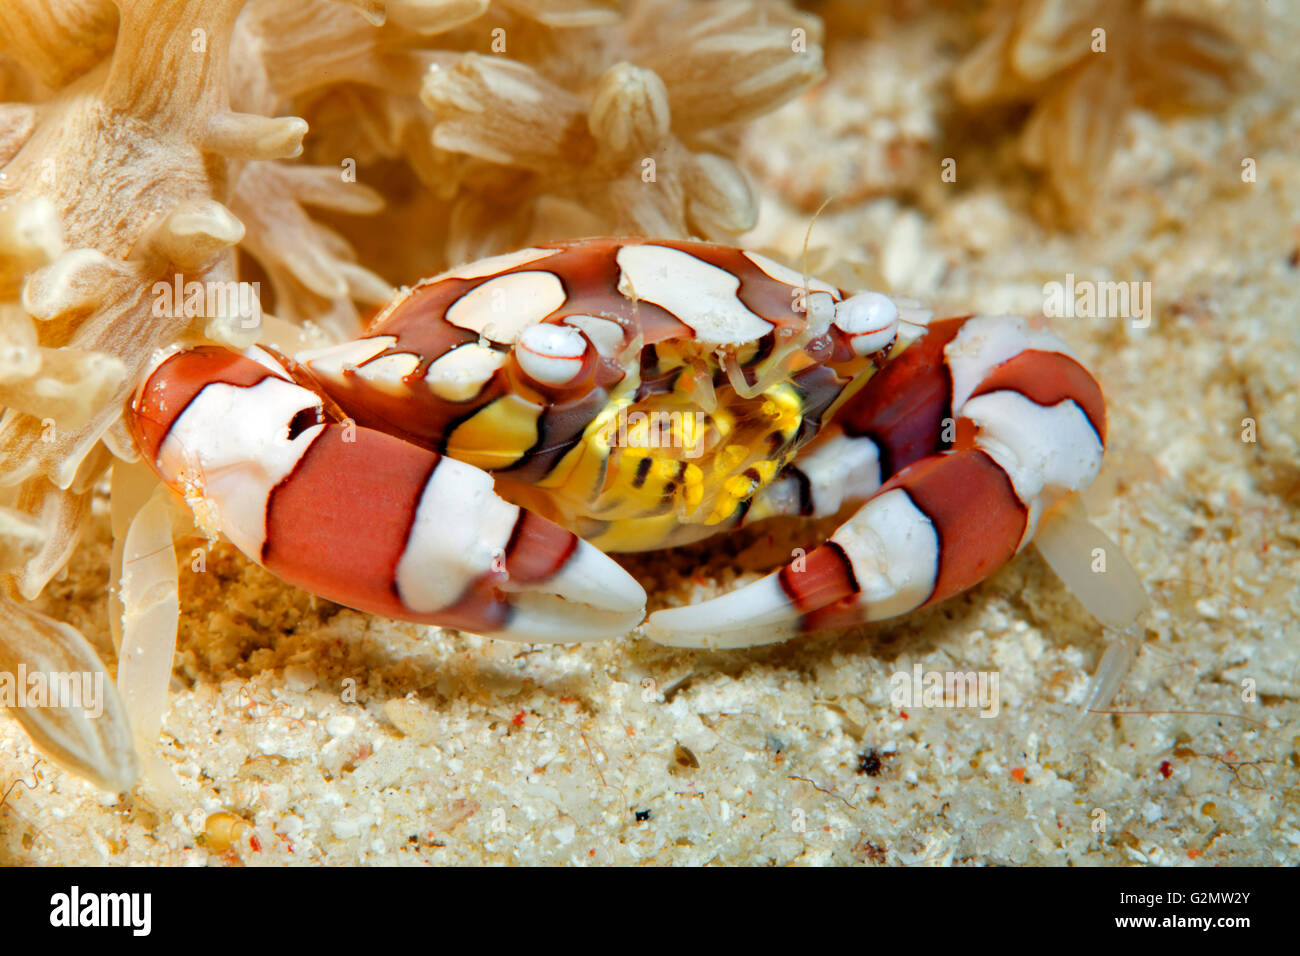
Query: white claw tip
x=869, y=319
x=551, y=354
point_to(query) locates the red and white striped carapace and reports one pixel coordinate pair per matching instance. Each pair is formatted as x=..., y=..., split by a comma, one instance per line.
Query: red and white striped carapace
x=470, y=460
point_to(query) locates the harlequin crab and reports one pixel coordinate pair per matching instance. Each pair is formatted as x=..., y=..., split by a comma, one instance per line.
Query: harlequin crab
x=470, y=460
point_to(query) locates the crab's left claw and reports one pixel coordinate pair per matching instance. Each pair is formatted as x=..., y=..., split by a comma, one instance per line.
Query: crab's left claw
x=913, y=543
x=1028, y=427
x=366, y=519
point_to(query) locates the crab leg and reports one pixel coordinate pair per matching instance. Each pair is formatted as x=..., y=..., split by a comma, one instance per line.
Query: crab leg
x=841, y=468
x=986, y=424
x=364, y=518
x=897, y=419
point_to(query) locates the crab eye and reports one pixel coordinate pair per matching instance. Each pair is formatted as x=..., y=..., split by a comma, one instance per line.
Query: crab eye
x=551, y=354
x=869, y=319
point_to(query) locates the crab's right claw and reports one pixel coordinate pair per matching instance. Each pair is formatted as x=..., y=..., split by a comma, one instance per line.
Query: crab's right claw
x=366, y=519
x=422, y=537
x=510, y=573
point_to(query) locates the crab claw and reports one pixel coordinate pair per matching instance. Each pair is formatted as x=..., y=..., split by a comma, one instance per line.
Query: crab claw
x=387, y=527
x=1028, y=430
x=759, y=613
x=912, y=543
x=477, y=563
x=366, y=519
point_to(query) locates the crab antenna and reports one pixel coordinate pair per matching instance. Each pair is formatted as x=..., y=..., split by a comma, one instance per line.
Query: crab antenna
x=807, y=237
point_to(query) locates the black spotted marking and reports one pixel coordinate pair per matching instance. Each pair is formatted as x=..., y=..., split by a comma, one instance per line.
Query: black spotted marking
x=602, y=477
x=742, y=509
x=642, y=471
x=305, y=419
x=673, y=483
x=766, y=343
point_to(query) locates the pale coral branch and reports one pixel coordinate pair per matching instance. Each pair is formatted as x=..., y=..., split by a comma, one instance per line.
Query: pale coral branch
x=94, y=743
x=17, y=122
x=57, y=41
x=170, y=60
x=62, y=514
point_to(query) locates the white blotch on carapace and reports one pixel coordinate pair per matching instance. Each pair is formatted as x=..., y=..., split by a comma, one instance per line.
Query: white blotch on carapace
x=331, y=361
x=701, y=295
x=460, y=374
x=388, y=373
x=501, y=308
